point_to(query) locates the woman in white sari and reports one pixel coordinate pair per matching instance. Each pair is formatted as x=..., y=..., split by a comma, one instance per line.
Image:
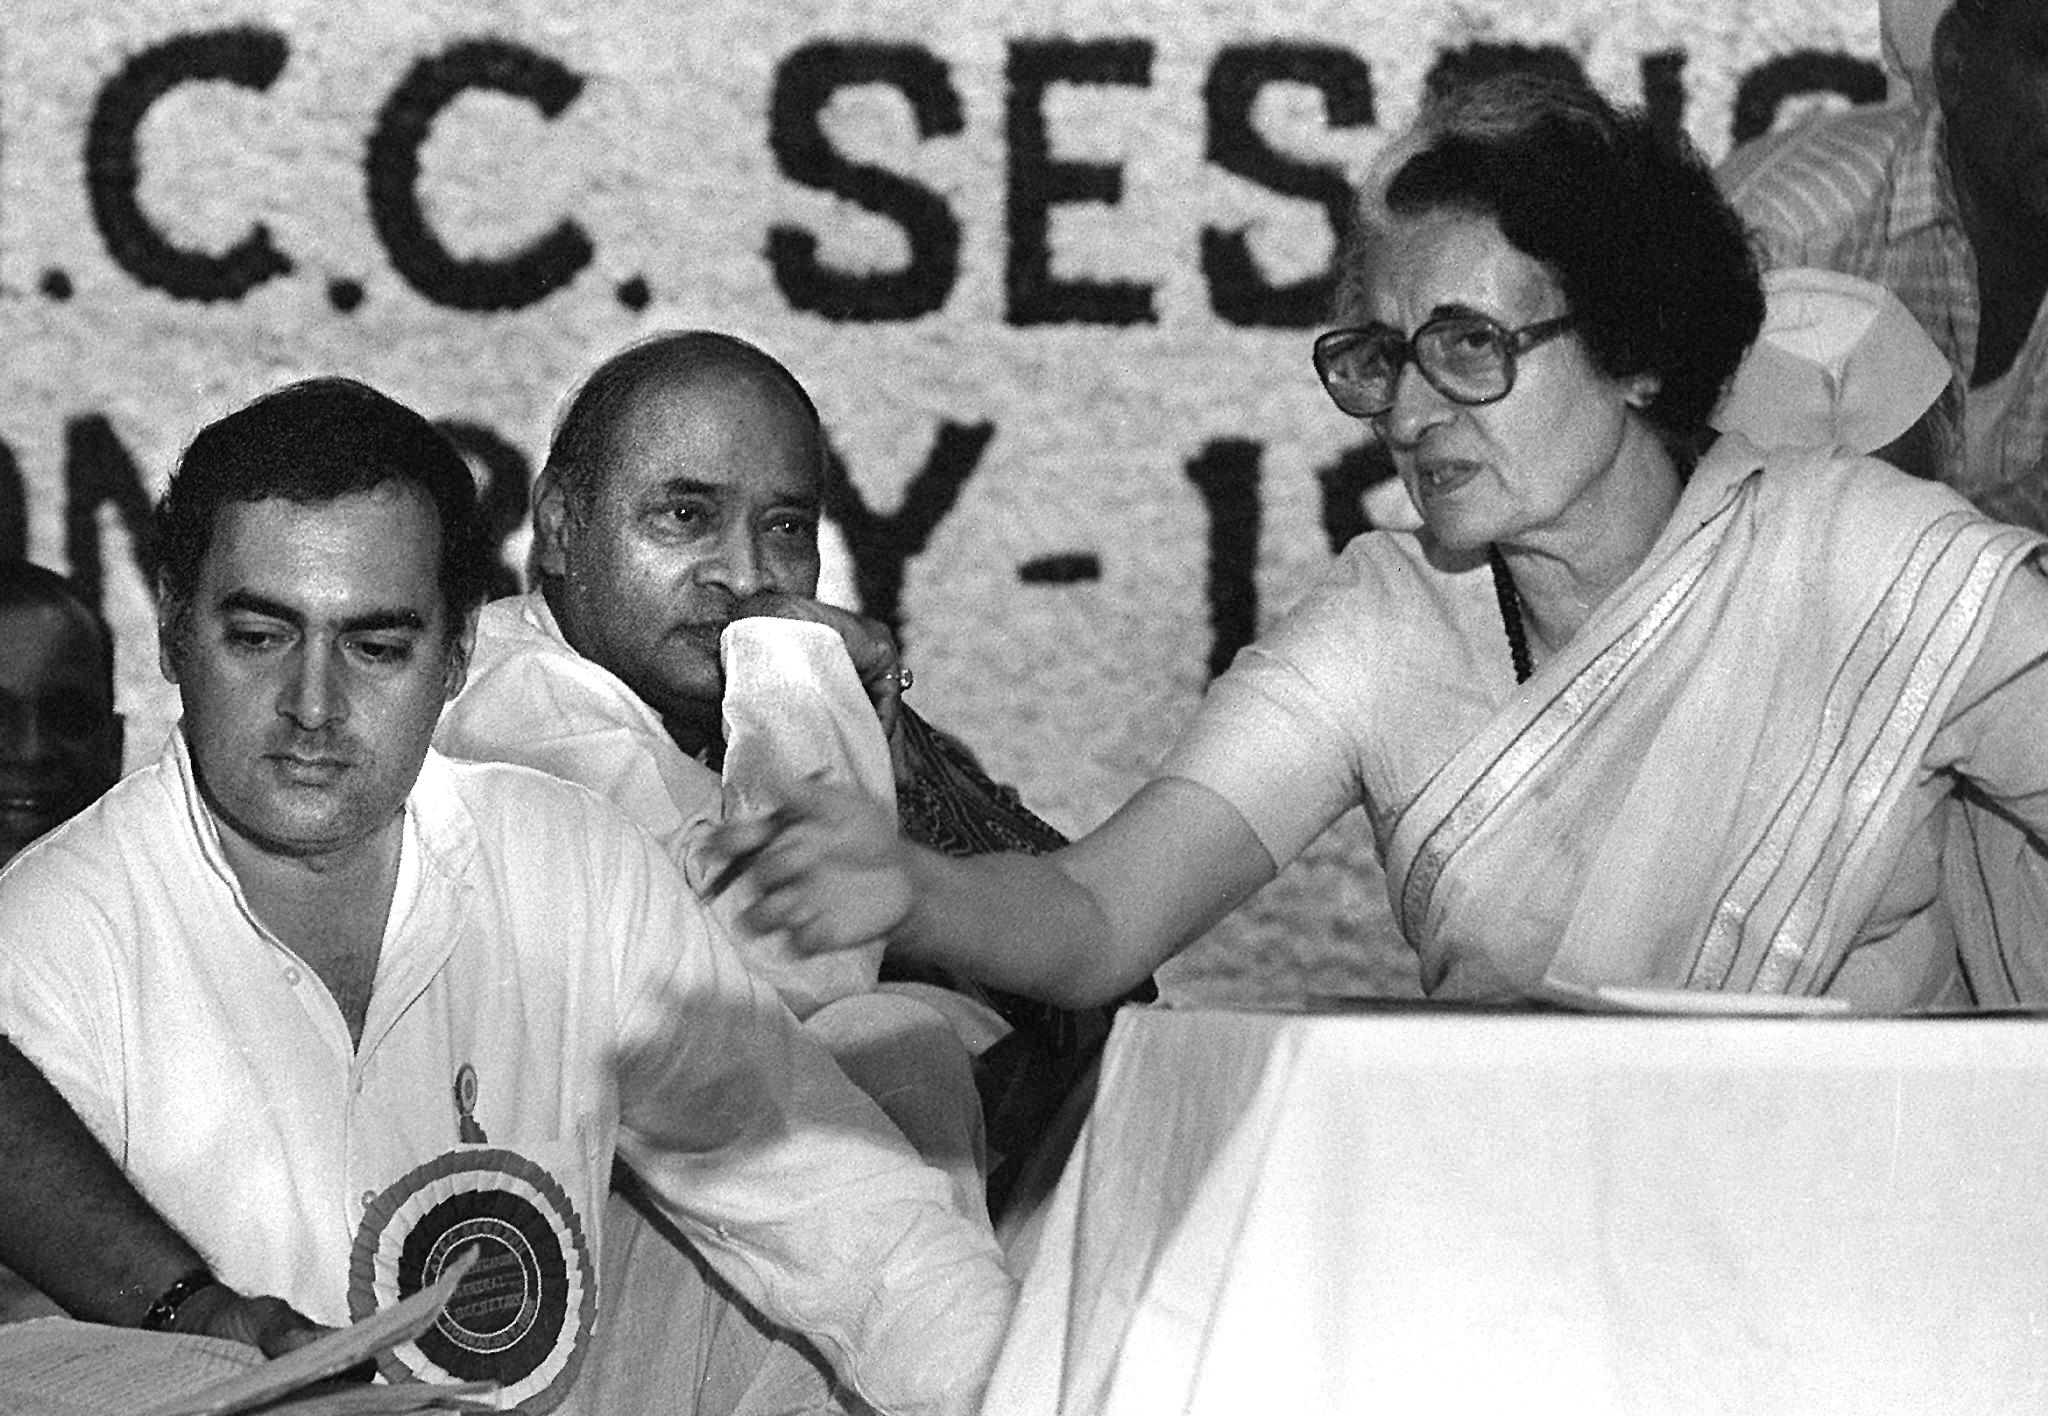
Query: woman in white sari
x=1620, y=712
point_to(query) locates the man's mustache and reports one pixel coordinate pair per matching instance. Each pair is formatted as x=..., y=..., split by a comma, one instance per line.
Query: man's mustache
x=338, y=748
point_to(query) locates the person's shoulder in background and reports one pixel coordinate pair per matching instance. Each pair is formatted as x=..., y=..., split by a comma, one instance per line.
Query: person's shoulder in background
x=1806, y=188
x=1840, y=362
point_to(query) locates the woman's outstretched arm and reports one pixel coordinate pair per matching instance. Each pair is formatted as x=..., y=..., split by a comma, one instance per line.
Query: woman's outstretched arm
x=1080, y=926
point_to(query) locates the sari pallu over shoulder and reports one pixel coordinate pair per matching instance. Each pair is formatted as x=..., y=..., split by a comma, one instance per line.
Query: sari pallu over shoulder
x=1709, y=787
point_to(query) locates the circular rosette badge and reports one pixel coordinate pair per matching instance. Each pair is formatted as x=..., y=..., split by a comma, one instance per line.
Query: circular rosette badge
x=522, y=1314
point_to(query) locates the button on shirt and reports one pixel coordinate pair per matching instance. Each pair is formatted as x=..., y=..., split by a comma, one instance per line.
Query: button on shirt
x=539, y=939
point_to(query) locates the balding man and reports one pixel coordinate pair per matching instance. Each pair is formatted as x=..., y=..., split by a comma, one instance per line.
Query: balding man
x=683, y=489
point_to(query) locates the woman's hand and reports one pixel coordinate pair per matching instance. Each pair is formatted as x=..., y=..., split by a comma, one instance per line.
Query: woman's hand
x=828, y=867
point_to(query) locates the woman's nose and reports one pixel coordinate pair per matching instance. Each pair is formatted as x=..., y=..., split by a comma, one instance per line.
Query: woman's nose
x=1418, y=406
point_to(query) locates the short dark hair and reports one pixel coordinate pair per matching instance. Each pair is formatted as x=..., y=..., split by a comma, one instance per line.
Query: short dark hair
x=1653, y=262
x=582, y=437
x=23, y=582
x=1971, y=22
x=312, y=442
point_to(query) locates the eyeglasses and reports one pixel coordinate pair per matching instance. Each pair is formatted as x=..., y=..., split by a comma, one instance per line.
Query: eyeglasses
x=1469, y=359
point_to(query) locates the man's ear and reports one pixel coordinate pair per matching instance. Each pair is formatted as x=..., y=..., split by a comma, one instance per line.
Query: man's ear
x=1948, y=56
x=169, y=612
x=550, y=525
x=458, y=657
x=1640, y=390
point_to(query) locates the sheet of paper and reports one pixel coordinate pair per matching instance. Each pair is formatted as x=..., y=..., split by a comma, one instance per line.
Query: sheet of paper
x=386, y=1400
x=60, y=1367
x=1705, y=1003
x=1684, y=1002
x=336, y=1352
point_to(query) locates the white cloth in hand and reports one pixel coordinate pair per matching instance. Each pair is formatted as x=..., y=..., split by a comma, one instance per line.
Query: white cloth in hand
x=795, y=711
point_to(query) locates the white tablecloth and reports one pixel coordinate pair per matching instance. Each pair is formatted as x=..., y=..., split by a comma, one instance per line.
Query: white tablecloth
x=1430, y=1211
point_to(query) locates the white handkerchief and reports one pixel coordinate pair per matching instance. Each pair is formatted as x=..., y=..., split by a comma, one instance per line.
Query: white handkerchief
x=795, y=710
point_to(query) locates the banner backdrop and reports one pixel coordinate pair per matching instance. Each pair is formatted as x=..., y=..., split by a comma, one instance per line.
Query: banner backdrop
x=1050, y=269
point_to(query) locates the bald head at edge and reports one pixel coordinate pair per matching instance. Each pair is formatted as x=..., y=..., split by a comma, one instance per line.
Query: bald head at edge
x=683, y=361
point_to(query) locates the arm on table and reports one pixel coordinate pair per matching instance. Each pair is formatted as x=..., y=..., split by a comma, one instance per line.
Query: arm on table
x=1081, y=925
x=73, y=1225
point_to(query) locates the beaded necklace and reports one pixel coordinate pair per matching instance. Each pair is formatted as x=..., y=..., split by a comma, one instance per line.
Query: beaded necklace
x=1510, y=613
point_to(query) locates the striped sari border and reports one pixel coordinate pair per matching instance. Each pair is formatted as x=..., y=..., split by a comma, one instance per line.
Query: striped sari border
x=1874, y=711
x=1535, y=741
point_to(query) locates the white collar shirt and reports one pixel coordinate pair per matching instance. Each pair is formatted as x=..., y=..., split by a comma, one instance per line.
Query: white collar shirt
x=540, y=946
x=532, y=699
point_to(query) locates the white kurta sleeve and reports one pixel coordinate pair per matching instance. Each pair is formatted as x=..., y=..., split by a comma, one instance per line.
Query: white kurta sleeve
x=799, y=1191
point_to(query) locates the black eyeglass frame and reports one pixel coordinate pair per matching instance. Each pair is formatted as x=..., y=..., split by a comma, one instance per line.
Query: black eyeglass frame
x=1513, y=343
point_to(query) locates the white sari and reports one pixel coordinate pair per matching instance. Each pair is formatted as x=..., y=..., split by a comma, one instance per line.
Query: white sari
x=1740, y=775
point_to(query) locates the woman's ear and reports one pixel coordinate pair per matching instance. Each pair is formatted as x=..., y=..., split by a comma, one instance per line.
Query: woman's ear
x=1640, y=390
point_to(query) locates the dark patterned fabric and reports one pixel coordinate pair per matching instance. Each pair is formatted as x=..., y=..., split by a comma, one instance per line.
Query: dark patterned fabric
x=949, y=803
x=946, y=802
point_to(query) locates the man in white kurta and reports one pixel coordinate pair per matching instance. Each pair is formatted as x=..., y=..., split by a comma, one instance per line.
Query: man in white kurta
x=683, y=491
x=546, y=995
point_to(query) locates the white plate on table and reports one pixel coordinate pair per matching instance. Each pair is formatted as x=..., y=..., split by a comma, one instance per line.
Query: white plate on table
x=1694, y=1002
